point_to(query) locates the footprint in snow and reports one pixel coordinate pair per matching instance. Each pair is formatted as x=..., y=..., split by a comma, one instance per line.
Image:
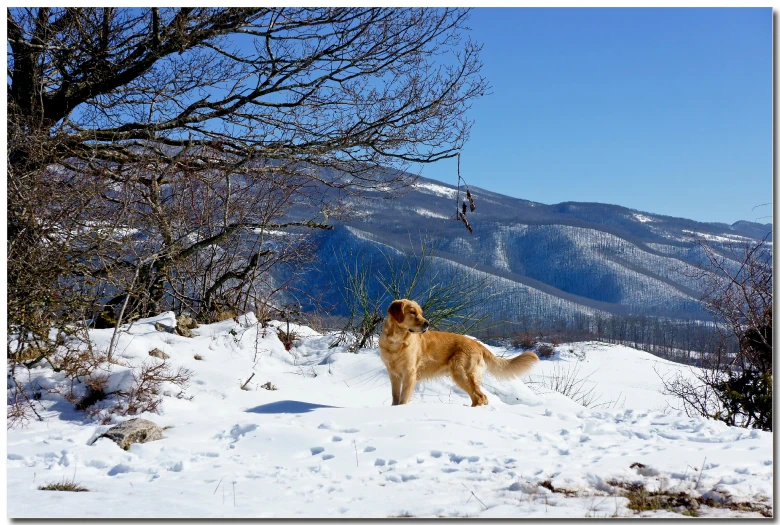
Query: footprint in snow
x=316, y=450
x=369, y=449
x=379, y=462
x=456, y=458
x=435, y=453
x=327, y=457
x=119, y=469
x=337, y=438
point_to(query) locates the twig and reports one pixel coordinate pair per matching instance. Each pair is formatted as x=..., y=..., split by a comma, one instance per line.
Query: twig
x=234, y=493
x=700, y=473
x=218, y=484
x=472, y=493
x=247, y=381
x=356, y=456
x=677, y=489
x=114, y=335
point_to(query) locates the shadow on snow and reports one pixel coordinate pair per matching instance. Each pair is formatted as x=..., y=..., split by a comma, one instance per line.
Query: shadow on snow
x=287, y=407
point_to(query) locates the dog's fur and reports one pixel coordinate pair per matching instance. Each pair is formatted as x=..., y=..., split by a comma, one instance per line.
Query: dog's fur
x=411, y=352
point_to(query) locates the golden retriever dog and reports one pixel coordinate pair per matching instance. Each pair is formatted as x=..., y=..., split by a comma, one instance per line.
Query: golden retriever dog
x=411, y=353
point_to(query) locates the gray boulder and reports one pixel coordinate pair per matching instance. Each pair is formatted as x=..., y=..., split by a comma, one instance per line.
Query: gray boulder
x=133, y=431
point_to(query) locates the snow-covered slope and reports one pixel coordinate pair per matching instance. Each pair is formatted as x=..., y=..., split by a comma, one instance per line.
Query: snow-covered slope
x=327, y=443
x=606, y=258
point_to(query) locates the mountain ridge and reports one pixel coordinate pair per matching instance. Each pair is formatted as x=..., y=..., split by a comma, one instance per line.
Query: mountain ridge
x=553, y=259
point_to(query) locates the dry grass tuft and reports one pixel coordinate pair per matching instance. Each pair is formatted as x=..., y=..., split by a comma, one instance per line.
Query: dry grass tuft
x=65, y=486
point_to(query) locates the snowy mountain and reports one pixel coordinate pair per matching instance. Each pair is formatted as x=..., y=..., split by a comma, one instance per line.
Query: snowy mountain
x=326, y=442
x=562, y=259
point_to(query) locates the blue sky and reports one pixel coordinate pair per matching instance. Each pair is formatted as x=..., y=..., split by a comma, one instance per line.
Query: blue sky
x=663, y=110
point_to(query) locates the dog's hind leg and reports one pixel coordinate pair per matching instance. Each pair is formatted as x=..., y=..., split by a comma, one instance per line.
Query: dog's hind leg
x=467, y=375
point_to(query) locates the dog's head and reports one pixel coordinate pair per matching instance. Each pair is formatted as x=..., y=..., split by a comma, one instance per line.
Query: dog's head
x=408, y=315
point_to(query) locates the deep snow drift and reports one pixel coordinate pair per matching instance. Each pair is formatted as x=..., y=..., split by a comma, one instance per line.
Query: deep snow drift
x=327, y=443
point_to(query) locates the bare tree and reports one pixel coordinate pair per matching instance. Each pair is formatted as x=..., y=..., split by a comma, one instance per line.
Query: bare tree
x=171, y=157
x=209, y=125
x=734, y=387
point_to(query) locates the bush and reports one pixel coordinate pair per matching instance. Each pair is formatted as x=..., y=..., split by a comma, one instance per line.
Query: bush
x=735, y=388
x=97, y=385
x=566, y=379
x=747, y=394
x=525, y=341
x=455, y=302
x=545, y=351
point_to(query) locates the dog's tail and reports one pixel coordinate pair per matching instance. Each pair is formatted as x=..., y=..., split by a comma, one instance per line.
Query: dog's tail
x=509, y=368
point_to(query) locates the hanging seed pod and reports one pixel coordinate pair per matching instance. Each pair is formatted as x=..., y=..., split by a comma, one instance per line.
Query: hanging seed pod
x=471, y=200
x=462, y=218
x=464, y=208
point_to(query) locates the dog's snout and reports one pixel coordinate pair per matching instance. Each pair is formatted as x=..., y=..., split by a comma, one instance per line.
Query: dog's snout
x=426, y=324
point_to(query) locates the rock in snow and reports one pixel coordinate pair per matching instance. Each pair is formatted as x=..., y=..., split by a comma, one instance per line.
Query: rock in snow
x=184, y=326
x=161, y=327
x=158, y=353
x=135, y=430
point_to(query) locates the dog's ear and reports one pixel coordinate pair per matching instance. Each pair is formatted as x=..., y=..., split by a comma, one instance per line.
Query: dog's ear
x=396, y=311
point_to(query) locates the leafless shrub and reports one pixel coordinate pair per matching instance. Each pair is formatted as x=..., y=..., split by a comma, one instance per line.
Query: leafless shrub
x=287, y=337
x=89, y=372
x=286, y=333
x=451, y=301
x=21, y=405
x=566, y=379
x=145, y=393
x=524, y=341
x=735, y=388
x=545, y=351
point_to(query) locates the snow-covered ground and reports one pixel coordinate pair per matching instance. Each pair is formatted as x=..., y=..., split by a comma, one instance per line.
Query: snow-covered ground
x=327, y=443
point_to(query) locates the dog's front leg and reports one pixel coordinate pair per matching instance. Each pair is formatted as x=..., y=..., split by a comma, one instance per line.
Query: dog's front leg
x=410, y=379
x=395, y=384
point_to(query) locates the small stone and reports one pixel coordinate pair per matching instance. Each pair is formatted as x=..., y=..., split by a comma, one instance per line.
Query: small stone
x=158, y=353
x=133, y=431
